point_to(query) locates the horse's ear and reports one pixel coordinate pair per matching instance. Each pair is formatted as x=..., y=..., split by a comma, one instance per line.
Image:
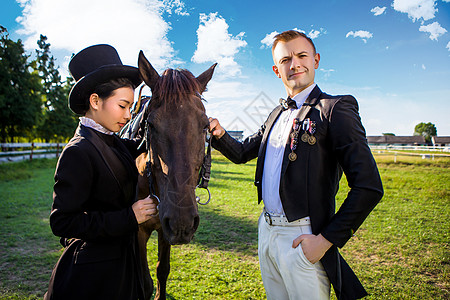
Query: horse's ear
x=205, y=77
x=148, y=73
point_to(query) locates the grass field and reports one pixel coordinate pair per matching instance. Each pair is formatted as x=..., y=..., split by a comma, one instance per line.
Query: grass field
x=402, y=251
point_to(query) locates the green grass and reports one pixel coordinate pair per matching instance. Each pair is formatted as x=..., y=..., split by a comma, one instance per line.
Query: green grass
x=28, y=250
x=402, y=251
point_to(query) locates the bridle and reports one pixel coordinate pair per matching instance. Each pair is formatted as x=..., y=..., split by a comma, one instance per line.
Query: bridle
x=205, y=173
x=203, y=177
x=205, y=170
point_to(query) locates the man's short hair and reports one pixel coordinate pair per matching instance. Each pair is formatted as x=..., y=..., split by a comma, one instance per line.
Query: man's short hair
x=289, y=35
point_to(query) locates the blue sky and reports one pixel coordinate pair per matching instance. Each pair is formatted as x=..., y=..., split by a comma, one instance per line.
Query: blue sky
x=392, y=55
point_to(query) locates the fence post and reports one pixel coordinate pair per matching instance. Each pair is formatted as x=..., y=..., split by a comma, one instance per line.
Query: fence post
x=57, y=149
x=395, y=157
x=31, y=153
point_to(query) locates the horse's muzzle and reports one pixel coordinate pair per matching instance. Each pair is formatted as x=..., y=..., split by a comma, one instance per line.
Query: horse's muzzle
x=179, y=229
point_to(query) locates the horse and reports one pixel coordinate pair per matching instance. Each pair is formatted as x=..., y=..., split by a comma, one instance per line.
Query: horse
x=176, y=129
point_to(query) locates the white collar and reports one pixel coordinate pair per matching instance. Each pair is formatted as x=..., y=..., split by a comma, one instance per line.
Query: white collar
x=301, y=97
x=88, y=122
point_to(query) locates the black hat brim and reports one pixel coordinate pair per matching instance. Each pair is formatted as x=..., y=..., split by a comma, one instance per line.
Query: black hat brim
x=78, y=96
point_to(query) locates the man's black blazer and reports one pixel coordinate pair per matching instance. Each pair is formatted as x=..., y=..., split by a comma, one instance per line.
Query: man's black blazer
x=341, y=145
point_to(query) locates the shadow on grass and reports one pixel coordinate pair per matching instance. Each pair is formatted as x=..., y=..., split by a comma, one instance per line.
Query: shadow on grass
x=226, y=233
x=218, y=176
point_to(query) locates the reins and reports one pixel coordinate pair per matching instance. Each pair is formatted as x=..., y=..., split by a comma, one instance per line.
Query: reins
x=205, y=173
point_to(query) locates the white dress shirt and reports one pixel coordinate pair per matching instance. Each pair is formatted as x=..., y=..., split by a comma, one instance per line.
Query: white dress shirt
x=276, y=144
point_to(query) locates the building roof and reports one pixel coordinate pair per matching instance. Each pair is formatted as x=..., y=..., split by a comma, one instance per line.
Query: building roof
x=440, y=139
x=393, y=139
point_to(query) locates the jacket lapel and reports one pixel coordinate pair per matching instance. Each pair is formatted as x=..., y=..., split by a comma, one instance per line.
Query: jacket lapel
x=311, y=101
x=109, y=157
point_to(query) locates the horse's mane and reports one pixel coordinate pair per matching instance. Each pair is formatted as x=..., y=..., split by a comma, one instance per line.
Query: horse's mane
x=174, y=86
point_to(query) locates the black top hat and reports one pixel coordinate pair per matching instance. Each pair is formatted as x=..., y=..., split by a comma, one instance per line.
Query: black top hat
x=93, y=66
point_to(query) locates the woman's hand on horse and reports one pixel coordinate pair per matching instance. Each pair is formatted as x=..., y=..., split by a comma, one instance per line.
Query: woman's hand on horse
x=145, y=209
x=215, y=128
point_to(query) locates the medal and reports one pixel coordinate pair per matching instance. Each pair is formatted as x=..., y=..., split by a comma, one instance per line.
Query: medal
x=312, y=140
x=305, y=126
x=293, y=144
x=305, y=137
x=294, y=139
x=292, y=156
x=312, y=127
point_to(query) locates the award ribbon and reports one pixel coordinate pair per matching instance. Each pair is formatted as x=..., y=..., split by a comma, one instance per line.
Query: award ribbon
x=294, y=139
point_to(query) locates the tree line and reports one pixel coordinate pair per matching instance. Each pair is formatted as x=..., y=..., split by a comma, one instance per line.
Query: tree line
x=33, y=97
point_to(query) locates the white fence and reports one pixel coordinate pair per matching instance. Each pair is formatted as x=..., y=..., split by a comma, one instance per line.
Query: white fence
x=425, y=152
x=22, y=151
x=414, y=148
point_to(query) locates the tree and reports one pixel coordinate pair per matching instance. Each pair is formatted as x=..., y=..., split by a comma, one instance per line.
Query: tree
x=58, y=122
x=388, y=133
x=425, y=129
x=20, y=103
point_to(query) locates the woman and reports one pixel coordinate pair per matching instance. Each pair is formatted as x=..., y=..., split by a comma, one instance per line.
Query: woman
x=94, y=210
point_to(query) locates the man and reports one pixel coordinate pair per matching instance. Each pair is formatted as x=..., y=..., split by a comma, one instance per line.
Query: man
x=302, y=149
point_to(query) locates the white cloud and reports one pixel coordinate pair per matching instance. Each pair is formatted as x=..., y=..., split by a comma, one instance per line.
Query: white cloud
x=364, y=35
x=378, y=10
x=416, y=9
x=267, y=41
x=177, y=6
x=239, y=105
x=448, y=44
x=434, y=29
x=327, y=73
x=315, y=33
x=128, y=25
x=423, y=67
x=215, y=44
x=228, y=90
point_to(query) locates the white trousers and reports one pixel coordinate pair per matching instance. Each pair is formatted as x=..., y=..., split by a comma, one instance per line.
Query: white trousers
x=285, y=271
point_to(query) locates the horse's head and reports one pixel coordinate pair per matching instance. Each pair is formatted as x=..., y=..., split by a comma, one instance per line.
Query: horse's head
x=177, y=127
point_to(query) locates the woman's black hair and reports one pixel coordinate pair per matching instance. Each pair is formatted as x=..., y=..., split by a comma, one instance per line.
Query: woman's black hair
x=106, y=89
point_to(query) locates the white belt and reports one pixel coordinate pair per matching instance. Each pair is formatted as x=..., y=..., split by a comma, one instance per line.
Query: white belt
x=274, y=220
